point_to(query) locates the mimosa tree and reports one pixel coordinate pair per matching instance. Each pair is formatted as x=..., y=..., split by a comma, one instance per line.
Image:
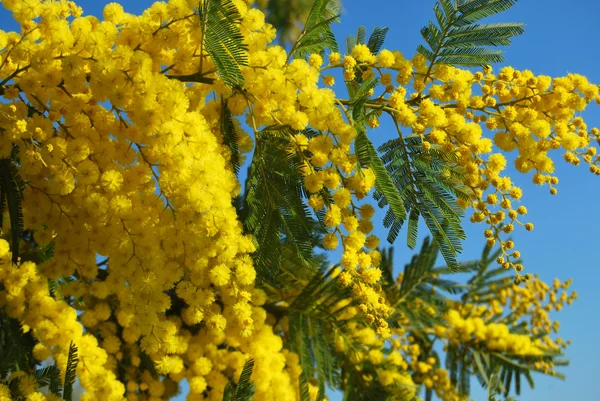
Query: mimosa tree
x=135, y=258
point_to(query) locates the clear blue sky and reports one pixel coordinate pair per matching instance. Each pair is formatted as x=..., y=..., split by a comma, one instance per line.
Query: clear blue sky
x=559, y=38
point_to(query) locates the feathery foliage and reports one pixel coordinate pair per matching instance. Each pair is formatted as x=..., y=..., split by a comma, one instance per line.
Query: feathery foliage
x=317, y=36
x=222, y=39
x=428, y=183
x=11, y=194
x=15, y=346
x=417, y=182
x=312, y=322
x=458, y=39
x=244, y=389
x=365, y=151
x=49, y=376
x=376, y=39
x=274, y=209
x=70, y=373
x=230, y=136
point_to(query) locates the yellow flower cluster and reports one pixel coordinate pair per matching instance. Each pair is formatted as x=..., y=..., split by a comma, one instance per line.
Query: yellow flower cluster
x=490, y=336
x=534, y=115
x=54, y=324
x=122, y=161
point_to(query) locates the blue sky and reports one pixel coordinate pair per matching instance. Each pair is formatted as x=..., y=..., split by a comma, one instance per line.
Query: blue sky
x=559, y=39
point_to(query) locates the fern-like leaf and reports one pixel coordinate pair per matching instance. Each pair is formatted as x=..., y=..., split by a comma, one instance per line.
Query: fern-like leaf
x=366, y=152
x=11, y=194
x=49, y=376
x=458, y=38
x=245, y=389
x=274, y=209
x=304, y=394
x=223, y=40
x=15, y=347
x=317, y=36
x=230, y=136
x=70, y=373
x=376, y=39
x=311, y=322
x=428, y=184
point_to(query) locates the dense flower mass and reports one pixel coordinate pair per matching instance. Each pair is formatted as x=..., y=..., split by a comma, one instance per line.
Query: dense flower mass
x=127, y=174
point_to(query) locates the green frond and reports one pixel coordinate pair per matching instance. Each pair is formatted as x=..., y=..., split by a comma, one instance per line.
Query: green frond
x=413, y=228
x=499, y=34
x=274, y=210
x=458, y=39
x=49, y=376
x=384, y=184
x=350, y=43
x=376, y=39
x=11, y=195
x=317, y=36
x=359, y=94
x=230, y=136
x=469, y=57
x=70, y=373
x=244, y=389
x=474, y=10
x=15, y=347
x=223, y=40
x=227, y=392
x=304, y=394
x=428, y=186
x=318, y=297
x=312, y=323
x=419, y=267
x=323, y=356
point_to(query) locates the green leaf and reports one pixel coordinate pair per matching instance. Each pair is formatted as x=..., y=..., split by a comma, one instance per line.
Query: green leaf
x=323, y=357
x=230, y=136
x=274, y=211
x=419, y=267
x=413, y=228
x=227, y=391
x=312, y=323
x=304, y=394
x=384, y=184
x=376, y=39
x=49, y=376
x=458, y=39
x=350, y=43
x=223, y=40
x=361, y=34
x=70, y=373
x=317, y=36
x=11, y=195
x=428, y=183
x=244, y=389
x=15, y=346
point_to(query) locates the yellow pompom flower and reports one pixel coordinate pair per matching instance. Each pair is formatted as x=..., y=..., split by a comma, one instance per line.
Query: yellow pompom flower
x=111, y=180
x=219, y=275
x=330, y=241
x=333, y=216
